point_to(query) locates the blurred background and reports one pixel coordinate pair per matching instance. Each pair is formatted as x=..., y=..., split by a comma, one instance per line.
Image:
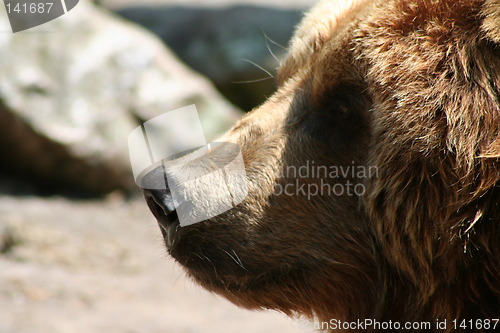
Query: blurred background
x=79, y=250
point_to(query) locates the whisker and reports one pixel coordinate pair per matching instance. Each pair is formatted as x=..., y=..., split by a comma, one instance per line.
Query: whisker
x=269, y=48
x=204, y=257
x=237, y=261
x=272, y=41
x=259, y=67
x=253, y=81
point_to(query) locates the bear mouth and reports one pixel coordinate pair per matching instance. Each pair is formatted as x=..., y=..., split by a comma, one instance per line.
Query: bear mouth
x=169, y=227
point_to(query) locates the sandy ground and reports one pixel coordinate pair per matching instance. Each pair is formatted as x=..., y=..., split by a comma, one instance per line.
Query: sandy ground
x=89, y=266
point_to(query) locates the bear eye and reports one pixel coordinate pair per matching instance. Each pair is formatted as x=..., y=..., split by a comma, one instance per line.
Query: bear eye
x=338, y=114
x=342, y=101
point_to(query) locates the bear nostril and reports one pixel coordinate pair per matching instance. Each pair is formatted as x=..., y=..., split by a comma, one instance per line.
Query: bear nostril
x=161, y=204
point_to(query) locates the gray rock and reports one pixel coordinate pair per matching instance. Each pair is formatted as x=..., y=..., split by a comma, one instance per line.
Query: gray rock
x=73, y=89
x=223, y=42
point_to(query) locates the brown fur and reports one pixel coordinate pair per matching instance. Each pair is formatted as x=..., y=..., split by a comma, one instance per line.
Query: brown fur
x=413, y=88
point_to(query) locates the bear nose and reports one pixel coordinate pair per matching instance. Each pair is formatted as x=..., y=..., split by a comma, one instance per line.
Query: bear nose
x=159, y=197
x=160, y=201
x=161, y=204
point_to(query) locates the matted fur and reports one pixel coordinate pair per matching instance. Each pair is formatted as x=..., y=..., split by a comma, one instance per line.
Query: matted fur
x=411, y=87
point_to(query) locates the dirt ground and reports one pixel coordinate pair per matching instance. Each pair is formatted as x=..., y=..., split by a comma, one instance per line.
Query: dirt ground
x=100, y=266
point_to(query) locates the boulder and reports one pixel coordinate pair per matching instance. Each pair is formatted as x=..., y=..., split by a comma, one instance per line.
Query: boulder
x=73, y=89
x=227, y=44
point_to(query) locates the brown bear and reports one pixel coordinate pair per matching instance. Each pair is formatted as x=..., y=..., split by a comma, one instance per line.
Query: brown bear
x=373, y=175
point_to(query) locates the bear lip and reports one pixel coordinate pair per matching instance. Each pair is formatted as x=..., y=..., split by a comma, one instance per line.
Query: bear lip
x=169, y=230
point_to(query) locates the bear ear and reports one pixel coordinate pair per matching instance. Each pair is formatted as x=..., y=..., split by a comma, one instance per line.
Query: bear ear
x=491, y=23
